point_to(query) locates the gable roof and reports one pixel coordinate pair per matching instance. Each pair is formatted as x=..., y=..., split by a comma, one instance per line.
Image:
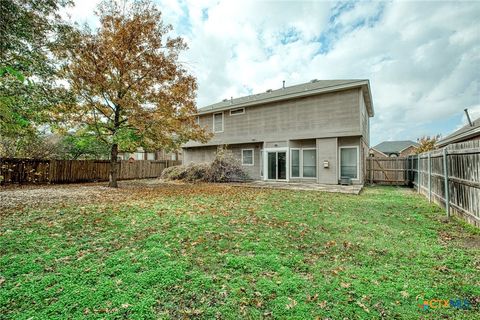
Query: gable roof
x=394, y=146
x=461, y=134
x=301, y=90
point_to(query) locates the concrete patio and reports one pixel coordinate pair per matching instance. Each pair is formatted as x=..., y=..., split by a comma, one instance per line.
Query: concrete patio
x=352, y=189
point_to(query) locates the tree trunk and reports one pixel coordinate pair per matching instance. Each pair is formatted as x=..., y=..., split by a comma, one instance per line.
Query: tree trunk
x=113, y=167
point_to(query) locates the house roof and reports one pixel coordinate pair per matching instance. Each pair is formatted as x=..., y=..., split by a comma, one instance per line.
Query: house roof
x=394, y=146
x=301, y=90
x=461, y=134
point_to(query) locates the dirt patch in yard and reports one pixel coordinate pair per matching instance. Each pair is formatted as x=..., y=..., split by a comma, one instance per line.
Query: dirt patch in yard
x=39, y=196
x=17, y=198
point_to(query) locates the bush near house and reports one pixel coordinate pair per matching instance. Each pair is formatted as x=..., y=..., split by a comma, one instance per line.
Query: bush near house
x=224, y=168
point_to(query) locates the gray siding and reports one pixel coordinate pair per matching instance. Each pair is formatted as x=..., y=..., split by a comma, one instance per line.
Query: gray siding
x=333, y=114
x=327, y=151
x=207, y=154
x=364, y=120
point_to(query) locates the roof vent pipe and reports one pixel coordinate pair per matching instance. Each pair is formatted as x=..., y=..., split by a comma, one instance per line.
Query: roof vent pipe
x=231, y=100
x=283, y=86
x=468, y=117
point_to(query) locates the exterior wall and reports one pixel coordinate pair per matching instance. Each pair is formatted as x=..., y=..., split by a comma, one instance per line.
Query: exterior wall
x=327, y=151
x=252, y=171
x=364, y=120
x=332, y=114
x=377, y=154
x=207, y=154
x=408, y=151
x=199, y=155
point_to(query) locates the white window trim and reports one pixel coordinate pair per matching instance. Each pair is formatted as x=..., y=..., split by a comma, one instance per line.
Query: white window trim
x=299, y=163
x=223, y=124
x=197, y=120
x=262, y=159
x=316, y=163
x=300, y=160
x=253, y=158
x=340, y=161
x=265, y=161
x=237, y=114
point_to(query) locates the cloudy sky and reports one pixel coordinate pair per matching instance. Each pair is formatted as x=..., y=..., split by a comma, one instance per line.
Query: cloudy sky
x=422, y=58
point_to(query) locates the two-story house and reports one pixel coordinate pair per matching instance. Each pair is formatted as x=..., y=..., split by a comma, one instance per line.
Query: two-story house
x=316, y=131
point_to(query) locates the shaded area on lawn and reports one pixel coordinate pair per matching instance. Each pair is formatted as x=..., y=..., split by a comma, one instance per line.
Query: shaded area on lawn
x=218, y=251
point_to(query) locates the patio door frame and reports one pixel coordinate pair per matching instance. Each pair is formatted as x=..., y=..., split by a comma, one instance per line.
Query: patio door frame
x=287, y=163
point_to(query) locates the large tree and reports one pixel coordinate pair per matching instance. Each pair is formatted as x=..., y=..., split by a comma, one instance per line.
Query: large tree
x=29, y=31
x=132, y=90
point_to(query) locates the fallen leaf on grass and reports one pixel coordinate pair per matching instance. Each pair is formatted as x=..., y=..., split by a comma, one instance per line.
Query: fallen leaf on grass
x=364, y=307
x=330, y=244
x=292, y=304
x=345, y=285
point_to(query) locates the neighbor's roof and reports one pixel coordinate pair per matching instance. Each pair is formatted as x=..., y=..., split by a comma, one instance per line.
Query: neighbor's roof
x=301, y=90
x=461, y=134
x=394, y=146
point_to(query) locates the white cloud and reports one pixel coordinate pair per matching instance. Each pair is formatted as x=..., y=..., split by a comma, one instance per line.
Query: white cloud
x=423, y=58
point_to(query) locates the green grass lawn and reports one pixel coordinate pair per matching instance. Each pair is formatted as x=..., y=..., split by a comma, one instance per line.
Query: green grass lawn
x=209, y=251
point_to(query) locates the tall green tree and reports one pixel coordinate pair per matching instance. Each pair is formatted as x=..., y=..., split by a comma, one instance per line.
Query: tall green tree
x=130, y=85
x=29, y=32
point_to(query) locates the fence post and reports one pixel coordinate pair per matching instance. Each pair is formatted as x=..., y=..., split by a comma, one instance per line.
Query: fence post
x=445, y=173
x=429, y=178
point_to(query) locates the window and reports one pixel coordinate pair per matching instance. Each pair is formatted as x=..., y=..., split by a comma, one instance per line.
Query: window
x=218, y=122
x=303, y=163
x=295, y=163
x=238, y=111
x=247, y=157
x=309, y=163
x=139, y=155
x=349, y=162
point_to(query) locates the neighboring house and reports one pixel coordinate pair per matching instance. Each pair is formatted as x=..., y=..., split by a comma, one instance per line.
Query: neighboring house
x=316, y=132
x=394, y=149
x=140, y=154
x=466, y=133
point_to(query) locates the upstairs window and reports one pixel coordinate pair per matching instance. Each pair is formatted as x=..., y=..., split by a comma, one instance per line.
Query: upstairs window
x=218, y=122
x=238, y=111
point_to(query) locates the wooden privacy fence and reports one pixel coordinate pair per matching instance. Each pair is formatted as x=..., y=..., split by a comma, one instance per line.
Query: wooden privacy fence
x=391, y=171
x=450, y=177
x=69, y=171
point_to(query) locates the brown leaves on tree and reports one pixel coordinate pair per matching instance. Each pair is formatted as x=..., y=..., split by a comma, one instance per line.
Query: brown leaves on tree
x=131, y=88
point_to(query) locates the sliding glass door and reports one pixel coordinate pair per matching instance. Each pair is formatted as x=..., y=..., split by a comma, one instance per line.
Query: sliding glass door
x=277, y=165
